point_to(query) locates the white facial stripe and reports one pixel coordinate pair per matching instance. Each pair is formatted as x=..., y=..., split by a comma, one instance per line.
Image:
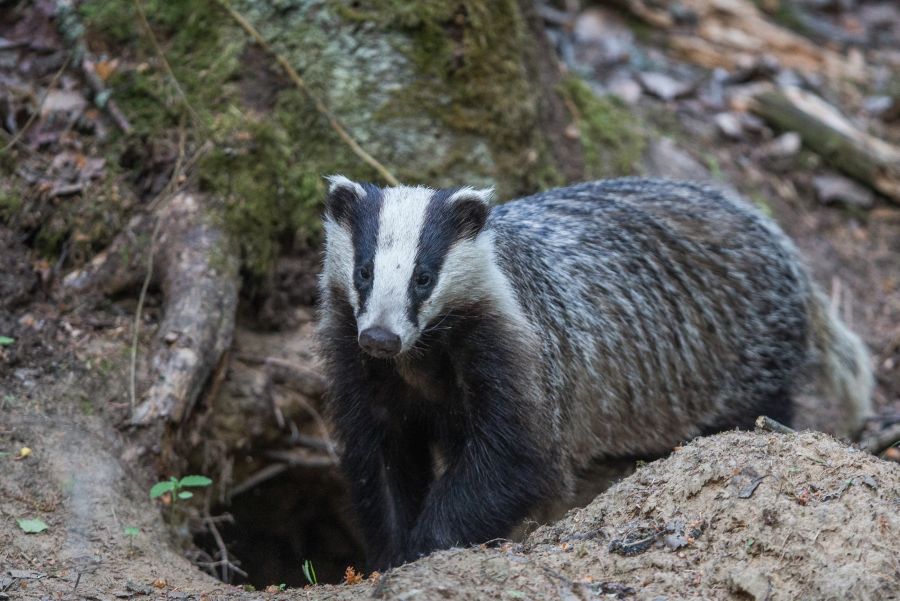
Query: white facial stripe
x=338, y=266
x=400, y=224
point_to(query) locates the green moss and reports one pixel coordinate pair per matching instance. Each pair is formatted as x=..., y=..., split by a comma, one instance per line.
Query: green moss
x=201, y=46
x=469, y=58
x=255, y=168
x=611, y=138
x=10, y=202
x=470, y=93
x=266, y=188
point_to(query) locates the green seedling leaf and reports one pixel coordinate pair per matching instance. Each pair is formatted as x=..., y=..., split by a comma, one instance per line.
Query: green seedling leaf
x=132, y=531
x=185, y=495
x=6, y=340
x=195, y=481
x=161, y=488
x=309, y=572
x=32, y=526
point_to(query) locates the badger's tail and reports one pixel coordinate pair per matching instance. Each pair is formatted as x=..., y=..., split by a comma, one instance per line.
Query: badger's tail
x=842, y=369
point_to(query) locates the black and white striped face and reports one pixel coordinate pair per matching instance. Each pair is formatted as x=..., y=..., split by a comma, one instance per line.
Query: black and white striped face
x=404, y=256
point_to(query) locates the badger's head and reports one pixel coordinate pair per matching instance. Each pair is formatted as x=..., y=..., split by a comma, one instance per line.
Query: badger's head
x=403, y=256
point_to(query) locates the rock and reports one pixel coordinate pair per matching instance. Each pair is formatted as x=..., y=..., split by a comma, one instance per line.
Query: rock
x=664, y=86
x=675, y=541
x=625, y=89
x=876, y=105
x=886, y=108
x=664, y=158
x=63, y=101
x=603, y=37
x=836, y=189
x=786, y=145
x=729, y=125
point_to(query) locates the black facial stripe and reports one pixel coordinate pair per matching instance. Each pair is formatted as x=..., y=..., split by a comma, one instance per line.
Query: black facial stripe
x=439, y=232
x=363, y=222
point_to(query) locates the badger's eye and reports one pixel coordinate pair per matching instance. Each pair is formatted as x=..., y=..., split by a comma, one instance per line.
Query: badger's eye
x=363, y=273
x=423, y=280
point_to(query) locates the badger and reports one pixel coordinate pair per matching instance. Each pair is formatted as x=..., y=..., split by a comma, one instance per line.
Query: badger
x=480, y=356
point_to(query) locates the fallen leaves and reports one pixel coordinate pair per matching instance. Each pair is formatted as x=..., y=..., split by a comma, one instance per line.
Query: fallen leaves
x=32, y=526
x=351, y=576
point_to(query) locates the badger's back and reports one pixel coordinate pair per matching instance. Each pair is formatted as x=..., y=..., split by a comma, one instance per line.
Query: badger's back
x=665, y=309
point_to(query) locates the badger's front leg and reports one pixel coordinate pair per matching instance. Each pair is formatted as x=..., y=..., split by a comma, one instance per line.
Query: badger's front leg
x=388, y=474
x=501, y=460
x=385, y=456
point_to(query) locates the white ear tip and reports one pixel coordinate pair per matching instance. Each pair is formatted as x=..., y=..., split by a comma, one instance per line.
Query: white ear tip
x=336, y=182
x=485, y=195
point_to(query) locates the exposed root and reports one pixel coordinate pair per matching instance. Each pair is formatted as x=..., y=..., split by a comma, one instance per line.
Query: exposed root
x=196, y=267
x=200, y=282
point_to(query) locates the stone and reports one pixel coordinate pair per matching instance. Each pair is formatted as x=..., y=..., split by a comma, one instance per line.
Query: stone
x=836, y=189
x=663, y=86
x=729, y=125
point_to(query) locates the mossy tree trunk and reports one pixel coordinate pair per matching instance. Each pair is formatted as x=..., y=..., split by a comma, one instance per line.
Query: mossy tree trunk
x=441, y=93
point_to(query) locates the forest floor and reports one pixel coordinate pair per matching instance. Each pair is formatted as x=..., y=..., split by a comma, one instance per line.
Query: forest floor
x=744, y=510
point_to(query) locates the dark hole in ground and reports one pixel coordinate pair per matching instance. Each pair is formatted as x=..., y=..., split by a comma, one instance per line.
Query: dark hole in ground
x=299, y=515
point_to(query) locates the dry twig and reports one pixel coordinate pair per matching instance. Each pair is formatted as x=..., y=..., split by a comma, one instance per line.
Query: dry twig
x=224, y=562
x=764, y=422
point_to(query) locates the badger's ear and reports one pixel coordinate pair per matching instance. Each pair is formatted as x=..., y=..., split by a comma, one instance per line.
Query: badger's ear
x=471, y=208
x=342, y=195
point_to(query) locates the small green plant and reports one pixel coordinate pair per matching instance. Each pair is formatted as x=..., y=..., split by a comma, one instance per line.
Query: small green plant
x=309, y=572
x=175, y=489
x=6, y=340
x=33, y=526
x=131, y=532
x=282, y=586
x=174, y=486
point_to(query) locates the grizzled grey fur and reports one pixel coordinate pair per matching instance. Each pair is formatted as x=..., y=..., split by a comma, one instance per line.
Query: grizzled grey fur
x=603, y=320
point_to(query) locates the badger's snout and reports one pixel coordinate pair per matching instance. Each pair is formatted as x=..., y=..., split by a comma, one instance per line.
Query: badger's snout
x=380, y=342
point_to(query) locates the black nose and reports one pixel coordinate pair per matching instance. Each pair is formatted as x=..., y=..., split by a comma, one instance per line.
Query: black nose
x=379, y=342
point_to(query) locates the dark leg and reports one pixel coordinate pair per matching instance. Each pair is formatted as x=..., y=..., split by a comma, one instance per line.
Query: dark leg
x=502, y=460
x=388, y=478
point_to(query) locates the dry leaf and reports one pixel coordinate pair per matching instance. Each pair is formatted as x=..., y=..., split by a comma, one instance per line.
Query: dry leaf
x=351, y=576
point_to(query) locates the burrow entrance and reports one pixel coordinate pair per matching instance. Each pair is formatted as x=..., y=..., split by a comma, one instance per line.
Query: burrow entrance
x=299, y=515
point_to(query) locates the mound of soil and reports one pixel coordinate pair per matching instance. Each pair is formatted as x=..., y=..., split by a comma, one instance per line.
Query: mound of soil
x=734, y=516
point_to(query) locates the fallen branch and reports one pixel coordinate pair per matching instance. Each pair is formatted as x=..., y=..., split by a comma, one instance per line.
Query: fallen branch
x=200, y=282
x=196, y=266
x=317, y=102
x=824, y=130
x=885, y=439
x=764, y=422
